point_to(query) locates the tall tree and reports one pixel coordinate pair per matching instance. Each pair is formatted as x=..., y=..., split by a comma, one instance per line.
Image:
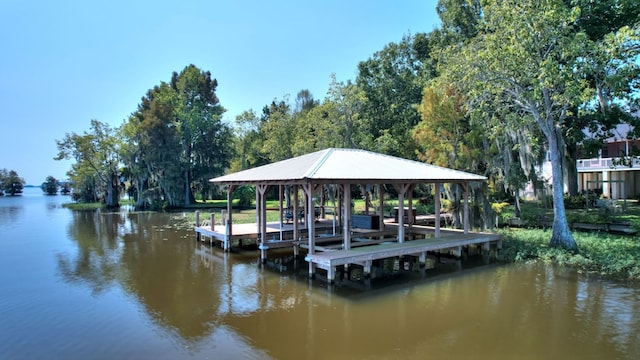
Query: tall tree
x=392, y=81
x=203, y=136
x=176, y=140
x=527, y=55
x=97, y=156
x=50, y=186
x=248, y=142
x=352, y=126
x=337, y=122
x=11, y=182
x=133, y=157
x=611, y=70
x=277, y=126
x=305, y=101
x=447, y=137
x=159, y=148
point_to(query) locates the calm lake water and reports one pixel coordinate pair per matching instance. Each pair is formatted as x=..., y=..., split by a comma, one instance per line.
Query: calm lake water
x=78, y=285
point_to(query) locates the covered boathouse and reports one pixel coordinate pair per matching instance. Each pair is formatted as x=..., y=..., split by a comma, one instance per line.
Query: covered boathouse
x=362, y=238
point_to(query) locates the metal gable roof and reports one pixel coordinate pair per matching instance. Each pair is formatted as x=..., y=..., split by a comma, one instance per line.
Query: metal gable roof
x=347, y=165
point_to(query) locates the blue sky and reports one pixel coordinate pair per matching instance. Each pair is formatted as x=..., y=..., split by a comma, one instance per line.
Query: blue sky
x=64, y=62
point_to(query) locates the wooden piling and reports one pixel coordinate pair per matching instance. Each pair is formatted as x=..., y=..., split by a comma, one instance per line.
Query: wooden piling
x=197, y=224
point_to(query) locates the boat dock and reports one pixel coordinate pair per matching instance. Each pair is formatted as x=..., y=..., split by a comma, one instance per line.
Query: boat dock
x=365, y=245
x=365, y=253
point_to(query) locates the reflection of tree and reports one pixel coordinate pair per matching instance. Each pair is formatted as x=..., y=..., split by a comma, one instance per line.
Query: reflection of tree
x=152, y=262
x=163, y=274
x=97, y=260
x=556, y=310
x=10, y=213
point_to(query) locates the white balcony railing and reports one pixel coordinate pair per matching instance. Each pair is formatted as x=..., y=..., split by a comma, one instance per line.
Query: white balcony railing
x=607, y=164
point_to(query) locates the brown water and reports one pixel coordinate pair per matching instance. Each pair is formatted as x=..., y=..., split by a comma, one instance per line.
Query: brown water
x=125, y=285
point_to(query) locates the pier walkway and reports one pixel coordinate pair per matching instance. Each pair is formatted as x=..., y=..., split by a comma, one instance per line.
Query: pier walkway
x=388, y=248
x=365, y=245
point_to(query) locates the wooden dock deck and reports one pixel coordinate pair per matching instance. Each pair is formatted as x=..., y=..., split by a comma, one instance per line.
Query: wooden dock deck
x=366, y=245
x=364, y=255
x=278, y=235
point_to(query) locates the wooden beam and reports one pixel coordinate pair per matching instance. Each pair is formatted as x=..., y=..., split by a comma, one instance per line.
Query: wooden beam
x=294, y=213
x=466, y=208
x=262, y=219
x=308, y=191
x=381, y=207
x=346, y=208
x=436, y=200
x=402, y=189
x=228, y=226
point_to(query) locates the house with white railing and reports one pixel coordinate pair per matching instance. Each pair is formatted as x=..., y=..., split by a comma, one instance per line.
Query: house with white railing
x=615, y=171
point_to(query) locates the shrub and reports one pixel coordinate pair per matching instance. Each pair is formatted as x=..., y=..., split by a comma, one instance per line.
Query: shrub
x=576, y=201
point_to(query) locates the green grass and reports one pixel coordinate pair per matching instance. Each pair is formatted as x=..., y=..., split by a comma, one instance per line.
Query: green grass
x=613, y=256
x=83, y=206
x=94, y=205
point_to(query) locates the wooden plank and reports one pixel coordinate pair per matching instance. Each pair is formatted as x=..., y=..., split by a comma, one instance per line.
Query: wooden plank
x=381, y=251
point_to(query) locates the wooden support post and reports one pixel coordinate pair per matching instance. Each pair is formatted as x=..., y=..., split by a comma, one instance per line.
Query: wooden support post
x=294, y=213
x=331, y=274
x=346, y=205
x=213, y=221
x=308, y=191
x=466, y=208
x=402, y=189
x=262, y=220
x=436, y=200
x=228, y=224
x=197, y=224
x=381, y=210
x=423, y=259
x=410, y=217
x=312, y=270
x=486, y=247
x=457, y=252
x=367, y=268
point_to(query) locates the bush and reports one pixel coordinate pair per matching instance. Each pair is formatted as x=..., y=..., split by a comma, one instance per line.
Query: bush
x=576, y=201
x=503, y=212
x=245, y=195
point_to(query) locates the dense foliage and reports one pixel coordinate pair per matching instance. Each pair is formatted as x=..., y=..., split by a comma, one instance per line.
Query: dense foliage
x=10, y=182
x=50, y=186
x=164, y=152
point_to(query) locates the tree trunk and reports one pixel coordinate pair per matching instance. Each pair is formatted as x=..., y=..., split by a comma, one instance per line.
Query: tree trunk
x=572, y=169
x=561, y=235
x=140, y=203
x=516, y=211
x=187, y=188
x=112, y=191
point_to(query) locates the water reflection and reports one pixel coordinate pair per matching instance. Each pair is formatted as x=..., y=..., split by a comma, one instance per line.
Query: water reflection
x=9, y=215
x=97, y=261
x=197, y=295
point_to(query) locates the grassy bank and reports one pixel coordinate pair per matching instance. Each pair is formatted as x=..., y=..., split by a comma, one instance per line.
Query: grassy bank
x=607, y=255
x=601, y=253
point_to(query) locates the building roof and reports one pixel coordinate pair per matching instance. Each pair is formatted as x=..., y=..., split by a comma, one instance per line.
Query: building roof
x=346, y=166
